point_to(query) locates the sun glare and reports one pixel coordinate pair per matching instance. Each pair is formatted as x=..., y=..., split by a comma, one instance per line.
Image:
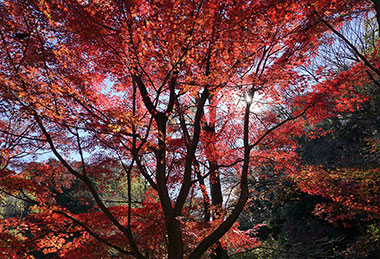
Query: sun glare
x=248, y=98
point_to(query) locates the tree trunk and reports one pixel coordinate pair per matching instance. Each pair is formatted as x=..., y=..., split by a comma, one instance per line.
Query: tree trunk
x=173, y=226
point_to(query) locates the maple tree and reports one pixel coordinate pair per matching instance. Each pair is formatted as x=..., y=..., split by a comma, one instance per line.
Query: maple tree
x=182, y=94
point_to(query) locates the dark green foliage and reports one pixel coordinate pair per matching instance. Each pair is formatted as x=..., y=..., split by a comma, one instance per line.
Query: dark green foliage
x=74, y=199
x=292, y=230
x=347, y=144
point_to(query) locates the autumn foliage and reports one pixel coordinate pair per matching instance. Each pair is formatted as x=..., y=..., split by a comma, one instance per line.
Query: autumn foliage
x=100, y=98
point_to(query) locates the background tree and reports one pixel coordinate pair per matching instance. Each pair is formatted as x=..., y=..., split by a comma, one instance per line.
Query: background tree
x=339, y=182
